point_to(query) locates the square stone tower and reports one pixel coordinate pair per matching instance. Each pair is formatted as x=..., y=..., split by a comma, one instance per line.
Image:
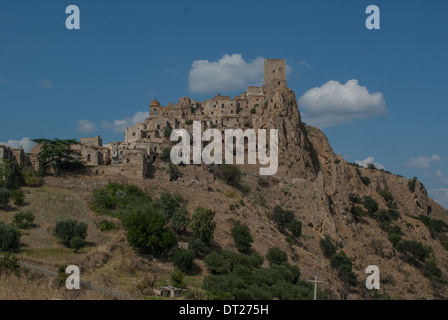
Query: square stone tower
x=275, y=73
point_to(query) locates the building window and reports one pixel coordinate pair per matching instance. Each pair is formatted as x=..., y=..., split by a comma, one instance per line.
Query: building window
x=88, y=157
x=155, y=110
x=231, y=111
x=279, y=83
x=222, y=105
x=133, y=134
x=158, y=127
x=273, y=71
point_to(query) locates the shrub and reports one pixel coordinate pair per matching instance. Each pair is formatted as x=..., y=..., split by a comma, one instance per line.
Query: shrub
x=327, y=246
x=344, y=266
x=282, y=217
x=174, y=172
x=9, y=263
x=23, y=219
x=183, y=259
x=9, y=237
x=226, y=261
x=276, y=256
x=355, y=198
x=165, y=155
x=242, y=237
x=33, y=179
x=68, y=229
x=431, y=271
x=202, y=224
x=245, y=189
x=106, y=225
x=388, y=197
x=415, y=251
x=411, y=184
x=5, y=195
x=18, y=196
x=365, y=180
x=253, y=110
x=189, y=122
x=146, y=230
x=370, y=204
x=199, y=248
x=230, y=174
x=77, y=243
x=434, y=226
x=177, y=278
x=371, y=166
x=357, y=211
x=295, y=227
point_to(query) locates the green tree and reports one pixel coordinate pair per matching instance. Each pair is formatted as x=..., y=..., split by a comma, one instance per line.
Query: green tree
x=242, y=237
x=9, y=237
x=199, y=248
x=415, y=251
x=77, y=243
x=56, y=153
x=295, y=227
x=5, y=195
x=23, y=219
x=370, y=204
x=67, y=229
x=202, y=224
x=230, y=173
x=147, y=230
x=183, y=259
x=327, y=246
x=174, y=172
x=18, y=196
x=282, y=217
x=177, y=278
x=7, y=170
x=276, y=256
x=165, y=155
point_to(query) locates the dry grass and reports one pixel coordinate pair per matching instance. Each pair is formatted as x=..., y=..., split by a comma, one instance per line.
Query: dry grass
x=31, y=286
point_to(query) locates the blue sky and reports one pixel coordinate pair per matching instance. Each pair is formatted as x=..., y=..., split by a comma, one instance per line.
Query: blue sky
x=64, y=83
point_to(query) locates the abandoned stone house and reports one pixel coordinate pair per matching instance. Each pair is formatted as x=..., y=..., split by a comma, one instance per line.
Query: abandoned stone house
x=16, y=155
x=144, y=141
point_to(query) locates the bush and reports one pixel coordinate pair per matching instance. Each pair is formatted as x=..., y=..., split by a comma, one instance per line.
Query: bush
x=411, y=184
x=9, y=263
x=282, y=217
x=365, y=180
x=183, y=259
x=226, y=261
x=199, y=248
x=230, y=174
x=355, y=198
x=253, y=110
x=343, y=265
x=242, y=237
x=431, y=271
x=370, y=204
x=434, y=226
x=371, y=166
x=357, y=212
x=146, y=230
x=77, y=243
x=189, y=122
x=68, y=229
x=328, y=247
x=415, y=251
x=177, y=278
x=106, y=225
x=167, y=132
x=9, y=237
x=33, y=179
x=276, y=256
x=5, y=195
x=23, y=219
x=388, y=197
x=295, y=227
x=174, y=172
x=165, y=156
x=202, y=224
x=18, y=196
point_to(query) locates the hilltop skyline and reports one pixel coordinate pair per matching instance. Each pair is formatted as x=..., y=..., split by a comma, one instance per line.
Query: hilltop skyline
x=377, y=94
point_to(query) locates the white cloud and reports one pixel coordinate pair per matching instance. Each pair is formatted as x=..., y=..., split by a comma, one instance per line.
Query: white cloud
x=120, y=125
x=366, y=161
x=46, y=84
x=86, y=126
x=25, y=143
x=334, y=103
x=442, y=177
x=228, y=74
x=422, y=161
x=303, y=63
x=440, y=196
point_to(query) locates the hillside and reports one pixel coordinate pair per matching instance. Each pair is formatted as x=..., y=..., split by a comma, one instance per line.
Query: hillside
x=318, y=186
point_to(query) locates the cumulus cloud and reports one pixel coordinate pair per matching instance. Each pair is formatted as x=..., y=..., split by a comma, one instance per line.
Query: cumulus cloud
x=86, y=126
x=442, y=177
x=422, y=161
x=230, y=73
x=440, y=195
x=120, y=125
x=366, y=161
x=46, y=84
x=335, y=103
x=25, y=143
